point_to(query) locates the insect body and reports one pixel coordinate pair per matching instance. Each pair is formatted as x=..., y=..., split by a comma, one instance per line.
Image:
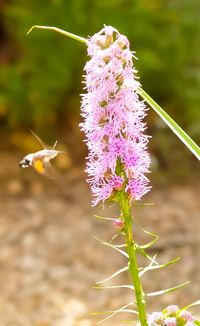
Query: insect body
x=40, y=160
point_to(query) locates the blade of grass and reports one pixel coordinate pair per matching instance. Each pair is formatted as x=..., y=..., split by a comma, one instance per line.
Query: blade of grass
x=60, y=31
x=179, y=132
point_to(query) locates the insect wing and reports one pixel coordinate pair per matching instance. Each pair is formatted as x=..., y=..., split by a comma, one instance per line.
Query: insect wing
x=40, y=141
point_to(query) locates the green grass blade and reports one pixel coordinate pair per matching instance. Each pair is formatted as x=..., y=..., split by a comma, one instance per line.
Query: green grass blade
x=60, y=31
x=179, y=132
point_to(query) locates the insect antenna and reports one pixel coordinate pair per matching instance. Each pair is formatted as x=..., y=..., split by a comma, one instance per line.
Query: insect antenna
x=54, y=146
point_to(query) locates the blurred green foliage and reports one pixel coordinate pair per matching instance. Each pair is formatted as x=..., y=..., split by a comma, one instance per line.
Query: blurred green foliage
x=40, y=77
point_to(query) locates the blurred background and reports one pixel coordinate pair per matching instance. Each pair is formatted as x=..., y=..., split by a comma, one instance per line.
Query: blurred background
x=46, y=280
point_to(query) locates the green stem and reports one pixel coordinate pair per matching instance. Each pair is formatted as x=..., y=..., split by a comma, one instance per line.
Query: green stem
x=133, y=266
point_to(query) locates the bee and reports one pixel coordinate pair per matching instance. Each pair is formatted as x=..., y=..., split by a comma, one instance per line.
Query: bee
x=40, y=160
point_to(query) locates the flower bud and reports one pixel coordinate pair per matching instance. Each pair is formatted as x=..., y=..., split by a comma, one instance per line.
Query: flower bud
x=118, y=223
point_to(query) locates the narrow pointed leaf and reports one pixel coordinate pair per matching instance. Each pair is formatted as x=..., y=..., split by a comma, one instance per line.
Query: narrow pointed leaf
x=149, y=244
x=151, y=294
x=115, y=236
x=143, y=204
x=96, y=313
x=133, y=322
x=179, y=132
x=147, y=268
x=150, y=267
x=145, y=254
x=191, y=305
x=126, y=286
x=104, y=218
x=105, y=243
x=120, y=245
x=114, y=274
x=122, y=309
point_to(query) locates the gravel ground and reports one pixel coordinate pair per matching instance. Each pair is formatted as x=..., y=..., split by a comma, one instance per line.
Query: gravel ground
x=49, y=259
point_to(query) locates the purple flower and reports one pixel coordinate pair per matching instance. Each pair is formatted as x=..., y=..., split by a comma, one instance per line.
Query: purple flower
x=118, y=223
x=156, y=318
x=172, y=309
x=170, y=321
x=171, y=316
x=186, y=315
x=113, y=119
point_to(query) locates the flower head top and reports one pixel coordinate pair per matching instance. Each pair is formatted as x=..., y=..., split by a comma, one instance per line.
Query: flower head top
x=113, y=119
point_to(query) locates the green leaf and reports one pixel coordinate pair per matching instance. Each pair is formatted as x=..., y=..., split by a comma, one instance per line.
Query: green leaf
x=114, y=274
x=113, y=313
x=149, y=244
x=145, y=254
x=105, y=218
x=150, y=267
x=191, y=305
x=143, y=204
x=141, y=249
x=151, y=294
x=117, y=248
x=126, y=286
x=179, y=132
x=144, y=270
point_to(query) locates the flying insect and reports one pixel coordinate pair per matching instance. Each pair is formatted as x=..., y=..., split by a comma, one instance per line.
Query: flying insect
x=40, y=160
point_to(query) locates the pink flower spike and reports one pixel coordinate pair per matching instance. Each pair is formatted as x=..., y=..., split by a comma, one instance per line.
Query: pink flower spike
x=118, y=223
x=113, y=119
